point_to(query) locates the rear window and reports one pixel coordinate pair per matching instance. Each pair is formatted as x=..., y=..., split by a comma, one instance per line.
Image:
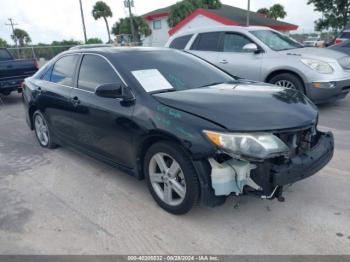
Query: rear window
x=345, y=35
x=180, y=42
x=206, y=42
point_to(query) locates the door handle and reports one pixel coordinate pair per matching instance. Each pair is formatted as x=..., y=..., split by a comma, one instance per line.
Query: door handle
x=224, y=61
x=75, y=101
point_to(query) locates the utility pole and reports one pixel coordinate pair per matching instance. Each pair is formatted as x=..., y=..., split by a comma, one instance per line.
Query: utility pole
x=83, y=21
x=248, y=13
x=12, y=24
x=128, y=4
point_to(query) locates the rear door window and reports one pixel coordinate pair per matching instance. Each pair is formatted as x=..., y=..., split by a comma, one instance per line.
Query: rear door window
x=207, y=42
x=63, y=70
x=180, y=42
x=95, y=71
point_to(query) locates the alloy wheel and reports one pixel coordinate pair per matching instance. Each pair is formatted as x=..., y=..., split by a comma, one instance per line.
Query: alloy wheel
x=285, y=83
x=167, y=179
x=41, y=130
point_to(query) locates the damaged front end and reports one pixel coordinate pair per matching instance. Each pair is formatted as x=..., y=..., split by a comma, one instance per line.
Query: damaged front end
x=241, y=167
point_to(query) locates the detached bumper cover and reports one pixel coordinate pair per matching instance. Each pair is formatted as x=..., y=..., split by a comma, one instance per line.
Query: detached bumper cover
x=306, y=164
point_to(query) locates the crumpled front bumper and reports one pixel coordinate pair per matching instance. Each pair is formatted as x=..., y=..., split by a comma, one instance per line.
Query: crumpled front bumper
x=306, y=164
x=271, y=176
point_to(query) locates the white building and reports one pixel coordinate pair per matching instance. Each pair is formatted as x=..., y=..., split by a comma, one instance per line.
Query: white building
x=226, y=15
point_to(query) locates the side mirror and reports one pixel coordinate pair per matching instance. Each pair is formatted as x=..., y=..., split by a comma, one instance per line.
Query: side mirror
x=251, y=48
x=113, y=90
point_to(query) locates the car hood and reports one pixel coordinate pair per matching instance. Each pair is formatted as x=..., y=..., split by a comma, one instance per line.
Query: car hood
x=315, y=53
x=245, y=106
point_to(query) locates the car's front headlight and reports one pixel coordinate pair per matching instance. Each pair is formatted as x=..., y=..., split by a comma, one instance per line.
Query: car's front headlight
x=256, y=145
x=318, y=65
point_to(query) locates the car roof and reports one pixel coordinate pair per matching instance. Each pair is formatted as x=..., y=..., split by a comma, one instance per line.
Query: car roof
x=90, y=46
x=115, y=50
x=222, y=28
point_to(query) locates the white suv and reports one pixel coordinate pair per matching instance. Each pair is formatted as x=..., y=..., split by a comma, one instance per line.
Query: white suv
x=265, y=55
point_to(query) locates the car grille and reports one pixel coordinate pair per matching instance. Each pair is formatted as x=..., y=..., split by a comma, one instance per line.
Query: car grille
x=298, y=141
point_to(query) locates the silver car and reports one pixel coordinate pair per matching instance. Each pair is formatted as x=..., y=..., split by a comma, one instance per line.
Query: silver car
x=262, y=54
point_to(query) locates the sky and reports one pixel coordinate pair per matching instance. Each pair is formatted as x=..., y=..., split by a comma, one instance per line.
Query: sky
x=49, y=20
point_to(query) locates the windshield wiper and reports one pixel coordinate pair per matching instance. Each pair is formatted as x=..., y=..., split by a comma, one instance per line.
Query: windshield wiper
x=217, y=83
x=164, y=91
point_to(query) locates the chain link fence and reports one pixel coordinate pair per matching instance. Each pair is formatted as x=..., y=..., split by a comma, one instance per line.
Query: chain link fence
x=40, y=53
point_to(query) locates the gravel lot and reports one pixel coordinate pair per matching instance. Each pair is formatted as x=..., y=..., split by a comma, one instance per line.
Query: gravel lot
x=62, y=202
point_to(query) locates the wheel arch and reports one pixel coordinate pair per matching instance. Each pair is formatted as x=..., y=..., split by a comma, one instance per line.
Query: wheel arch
x=146, y=142
x=31, y=112
x=284, y=71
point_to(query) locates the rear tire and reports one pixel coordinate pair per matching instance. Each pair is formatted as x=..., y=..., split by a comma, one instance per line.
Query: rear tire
x=42, y=130
x=171, y=177
x=288, y=80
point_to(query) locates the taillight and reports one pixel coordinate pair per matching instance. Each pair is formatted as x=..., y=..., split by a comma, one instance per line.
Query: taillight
x=338, y=41
x=36, y=63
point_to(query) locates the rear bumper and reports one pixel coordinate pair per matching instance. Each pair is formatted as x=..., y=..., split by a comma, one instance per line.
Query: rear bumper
x=305, y=165
x=11, y=85
x=326, y=95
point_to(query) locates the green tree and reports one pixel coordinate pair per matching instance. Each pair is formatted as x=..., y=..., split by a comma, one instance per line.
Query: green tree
x=264, y=11
x=277, y=11
x=184, y=8
x=3, y=43
x=102, y=10
x=123, y=27
x=21, y=36
x=70, y=42
x=211, y=4
x=94, y=40
x=335, y=13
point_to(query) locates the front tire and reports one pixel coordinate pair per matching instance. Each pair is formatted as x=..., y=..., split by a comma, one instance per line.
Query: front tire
x=289, y=81
x=171, y=177
x=42, y=130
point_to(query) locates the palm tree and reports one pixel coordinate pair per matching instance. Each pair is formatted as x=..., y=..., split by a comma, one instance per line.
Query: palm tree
x=277, y=11
x=264, y=11
x=21, y=36
x=101, y=9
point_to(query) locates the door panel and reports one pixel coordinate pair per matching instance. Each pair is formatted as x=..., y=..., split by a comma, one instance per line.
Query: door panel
x=236, y=61
x=55, y=93
x=206, y=46
x=101, y=125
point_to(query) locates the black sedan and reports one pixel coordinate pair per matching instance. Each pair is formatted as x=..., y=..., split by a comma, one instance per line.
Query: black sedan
x=194, y=132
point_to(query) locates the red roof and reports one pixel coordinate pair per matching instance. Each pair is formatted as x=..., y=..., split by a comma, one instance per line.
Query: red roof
x=203, y=12
x=226, y=15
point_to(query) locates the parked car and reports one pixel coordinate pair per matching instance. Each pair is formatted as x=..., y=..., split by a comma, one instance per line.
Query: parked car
x=262, y=54
x=193, y=131
x=13, y=71
x=343, y=36
x=343, y=47
x=313, y=41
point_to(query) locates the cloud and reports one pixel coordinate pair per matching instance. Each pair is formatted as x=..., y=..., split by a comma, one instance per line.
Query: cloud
x=47, y=21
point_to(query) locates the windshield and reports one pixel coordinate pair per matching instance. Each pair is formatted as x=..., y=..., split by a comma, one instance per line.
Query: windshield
x=169, y=70
x=276, y=41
